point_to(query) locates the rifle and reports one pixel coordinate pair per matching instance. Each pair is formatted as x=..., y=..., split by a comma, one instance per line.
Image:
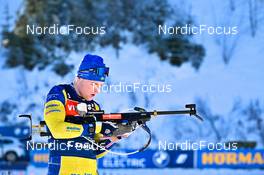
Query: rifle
x=137, y=118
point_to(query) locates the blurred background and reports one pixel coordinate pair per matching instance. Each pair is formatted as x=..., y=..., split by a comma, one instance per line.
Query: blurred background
x=221, y=73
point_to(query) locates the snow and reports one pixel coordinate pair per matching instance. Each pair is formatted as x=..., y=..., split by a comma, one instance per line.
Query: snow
x=216, y=82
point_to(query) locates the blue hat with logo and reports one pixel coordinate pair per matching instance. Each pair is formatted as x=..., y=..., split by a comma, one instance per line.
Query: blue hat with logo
x=92, y=67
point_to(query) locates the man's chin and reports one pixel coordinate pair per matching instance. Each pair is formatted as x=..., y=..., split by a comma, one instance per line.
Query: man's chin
x=89, y=98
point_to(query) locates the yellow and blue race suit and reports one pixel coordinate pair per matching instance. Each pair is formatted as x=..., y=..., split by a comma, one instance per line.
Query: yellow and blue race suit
x=73, y=156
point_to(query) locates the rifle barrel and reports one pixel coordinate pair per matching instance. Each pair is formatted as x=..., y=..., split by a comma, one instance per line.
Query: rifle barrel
x=173, y=112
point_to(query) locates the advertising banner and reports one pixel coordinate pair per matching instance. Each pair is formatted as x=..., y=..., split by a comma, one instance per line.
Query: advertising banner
x=149, y=159
x=242, y=158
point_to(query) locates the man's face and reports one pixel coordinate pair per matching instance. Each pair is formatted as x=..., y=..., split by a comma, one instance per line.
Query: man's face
x=88, y=88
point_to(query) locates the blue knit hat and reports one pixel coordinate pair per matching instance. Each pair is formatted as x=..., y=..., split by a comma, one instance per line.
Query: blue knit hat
x=92, y=67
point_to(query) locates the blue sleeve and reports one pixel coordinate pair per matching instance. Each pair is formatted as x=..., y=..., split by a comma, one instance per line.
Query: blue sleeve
x=56, y=93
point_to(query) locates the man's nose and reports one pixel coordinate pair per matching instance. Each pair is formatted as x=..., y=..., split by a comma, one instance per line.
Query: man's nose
x=97, y=88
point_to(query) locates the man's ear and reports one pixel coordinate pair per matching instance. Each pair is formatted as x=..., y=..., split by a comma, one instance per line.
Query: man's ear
x=75, y=80
x=78, y=78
